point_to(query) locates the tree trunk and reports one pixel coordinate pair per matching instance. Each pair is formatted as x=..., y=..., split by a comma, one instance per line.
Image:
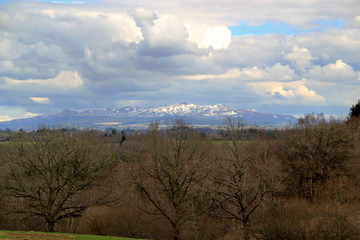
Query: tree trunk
x=246, y=231
x=50, y=225
x=176, y=233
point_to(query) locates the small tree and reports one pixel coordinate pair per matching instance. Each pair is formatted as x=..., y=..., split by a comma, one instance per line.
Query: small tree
x=54, y=175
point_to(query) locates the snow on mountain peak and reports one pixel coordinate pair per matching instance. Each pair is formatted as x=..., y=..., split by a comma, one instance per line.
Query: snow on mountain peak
x=181, y=109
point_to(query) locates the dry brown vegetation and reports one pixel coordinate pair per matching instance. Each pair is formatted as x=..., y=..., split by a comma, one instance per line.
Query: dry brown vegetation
x=180, y=183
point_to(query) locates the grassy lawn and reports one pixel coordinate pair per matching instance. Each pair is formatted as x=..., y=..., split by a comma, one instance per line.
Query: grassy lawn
x=4, y=234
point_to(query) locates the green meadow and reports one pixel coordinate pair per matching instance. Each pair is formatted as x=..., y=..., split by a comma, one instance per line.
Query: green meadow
x=4, y=234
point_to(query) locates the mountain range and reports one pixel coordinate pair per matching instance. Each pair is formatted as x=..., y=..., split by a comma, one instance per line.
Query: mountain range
x=136, y=117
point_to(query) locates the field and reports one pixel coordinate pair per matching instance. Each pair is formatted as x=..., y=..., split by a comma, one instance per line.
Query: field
x=4, y=234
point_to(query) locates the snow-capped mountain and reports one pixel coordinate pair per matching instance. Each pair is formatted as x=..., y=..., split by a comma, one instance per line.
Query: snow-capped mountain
x=208, y=115
x=182, y=109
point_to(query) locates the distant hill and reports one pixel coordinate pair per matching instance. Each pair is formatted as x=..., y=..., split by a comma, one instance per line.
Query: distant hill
x=136, y=117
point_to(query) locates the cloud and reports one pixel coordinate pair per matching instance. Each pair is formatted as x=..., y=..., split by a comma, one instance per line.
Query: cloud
x=160, y=31
x=126, y=103
x=149, y=52
x=354, y=23
x=53, y=37
x=41, y=100
x=338, y=72
x=92, y=25
x=230, y=74
x=4, y=118
x=330, y=45
x=64, y=81
x=218, y=37
x=276, y=72
x=289, y=92
x=302, y=14
x=13, y=112
x=168, y=31
x=163, y=35
x=301, y=57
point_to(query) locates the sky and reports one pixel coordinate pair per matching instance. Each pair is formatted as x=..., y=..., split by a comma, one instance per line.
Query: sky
x=275, y=56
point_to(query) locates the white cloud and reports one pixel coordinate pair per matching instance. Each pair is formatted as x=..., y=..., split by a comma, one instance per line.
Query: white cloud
x=38, y=40
x=338, y=71
x=108, y=26
x=4, y=118
x=167, y=30
x=276, y=72
x=7, y=49
x=301, y=57
x=335, y=93
x=160, y=30
x=218, y=37
x=13, y=112
x=144, y=15
x=230, y=74
x=207, y=35
x=330, y=45
x=354, y=23
x=290, y=92
x=41, y=100
x=64, y=81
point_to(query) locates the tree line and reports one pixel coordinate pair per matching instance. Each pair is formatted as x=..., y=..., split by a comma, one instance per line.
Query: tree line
x=177, y=182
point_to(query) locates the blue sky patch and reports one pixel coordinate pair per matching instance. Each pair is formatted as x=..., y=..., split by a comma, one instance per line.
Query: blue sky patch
x=282, y=28
x=52, y=1
x=331, y=23
x=268, y=27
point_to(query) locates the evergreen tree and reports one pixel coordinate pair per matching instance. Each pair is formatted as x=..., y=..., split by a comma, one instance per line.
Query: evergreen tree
x=355, y=110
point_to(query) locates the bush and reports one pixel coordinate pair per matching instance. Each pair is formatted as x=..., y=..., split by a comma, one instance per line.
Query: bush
x=299, y=219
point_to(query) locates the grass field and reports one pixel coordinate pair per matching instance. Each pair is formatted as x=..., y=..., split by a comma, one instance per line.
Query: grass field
x=4, y=234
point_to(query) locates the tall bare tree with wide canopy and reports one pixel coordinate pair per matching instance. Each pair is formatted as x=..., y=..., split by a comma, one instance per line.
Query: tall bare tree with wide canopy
x=171, y=168
x=247, y=174
x=53, y=175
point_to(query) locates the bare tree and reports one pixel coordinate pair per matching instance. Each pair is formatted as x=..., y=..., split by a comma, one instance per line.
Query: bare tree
x=54, y=175
x=170, y=172
x=247, y=174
